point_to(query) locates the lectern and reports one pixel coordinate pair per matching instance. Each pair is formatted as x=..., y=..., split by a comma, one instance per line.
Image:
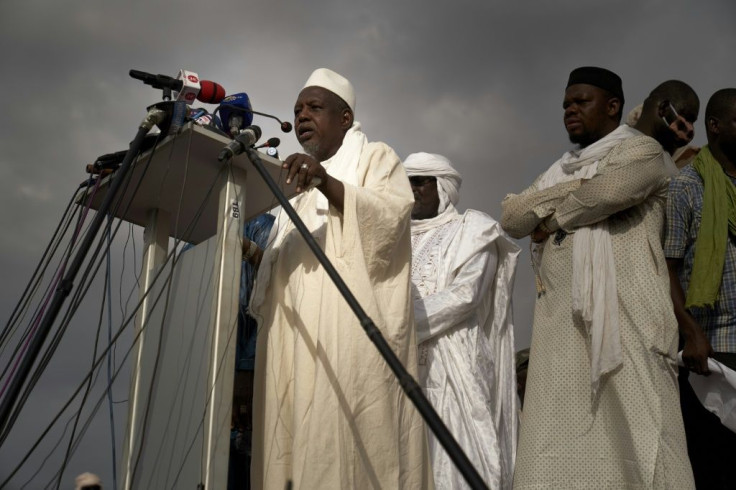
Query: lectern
x=180, y=402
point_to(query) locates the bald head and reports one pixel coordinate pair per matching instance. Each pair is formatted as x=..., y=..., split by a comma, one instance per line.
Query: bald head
x=668, y=114
x=679, y=94
x=720, y=125
x=721, y=104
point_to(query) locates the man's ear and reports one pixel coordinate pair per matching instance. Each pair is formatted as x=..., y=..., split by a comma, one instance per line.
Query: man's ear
x=614, y=106
x=711, y=125
x=347, y=119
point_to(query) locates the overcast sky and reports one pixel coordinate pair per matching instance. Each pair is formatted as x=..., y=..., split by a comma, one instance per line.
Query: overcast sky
x=480, y=82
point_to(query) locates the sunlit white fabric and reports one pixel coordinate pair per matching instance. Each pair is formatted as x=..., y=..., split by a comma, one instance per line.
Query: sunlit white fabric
x=462, y=270
x=327, y=410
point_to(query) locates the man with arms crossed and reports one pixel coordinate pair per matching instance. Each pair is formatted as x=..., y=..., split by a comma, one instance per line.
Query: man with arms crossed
x=601, y=407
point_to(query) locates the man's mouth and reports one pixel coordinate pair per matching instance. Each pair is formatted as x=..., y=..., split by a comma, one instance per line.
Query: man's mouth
x=572, y=124
x=305, y=133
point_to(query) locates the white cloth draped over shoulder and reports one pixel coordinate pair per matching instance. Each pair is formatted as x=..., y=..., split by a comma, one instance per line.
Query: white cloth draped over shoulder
x=594, y=293
x=328, y=412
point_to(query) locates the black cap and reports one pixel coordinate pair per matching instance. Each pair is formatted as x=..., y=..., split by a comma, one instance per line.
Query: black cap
x=598, y=77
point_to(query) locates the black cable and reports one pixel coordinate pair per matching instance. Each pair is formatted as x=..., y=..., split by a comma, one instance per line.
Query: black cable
x=39, y=269
x=47, y=355
x=81, y=291
x=120, y=331
x=48, y=455
x=33, y=285
x=76, y=302
x=42, y=304
x=67, y=283
x=79, y=295
x=89, y=384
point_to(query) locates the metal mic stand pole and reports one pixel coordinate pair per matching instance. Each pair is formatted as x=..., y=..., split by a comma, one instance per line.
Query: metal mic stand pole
x=154, y=116
x=408, y=384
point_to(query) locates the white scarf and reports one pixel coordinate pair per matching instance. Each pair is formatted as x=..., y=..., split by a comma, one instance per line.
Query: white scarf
x=342, y=166
x=594, y=293
x=422, y=225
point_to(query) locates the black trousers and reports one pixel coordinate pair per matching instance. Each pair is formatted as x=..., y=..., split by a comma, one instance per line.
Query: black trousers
x=711, y=445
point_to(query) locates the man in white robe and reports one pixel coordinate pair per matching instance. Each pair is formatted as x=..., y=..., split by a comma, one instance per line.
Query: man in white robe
x=463, y=270
x=601, y=408
x=328, y=411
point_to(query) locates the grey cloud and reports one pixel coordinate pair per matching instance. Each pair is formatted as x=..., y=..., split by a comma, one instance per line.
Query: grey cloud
x=480, y=82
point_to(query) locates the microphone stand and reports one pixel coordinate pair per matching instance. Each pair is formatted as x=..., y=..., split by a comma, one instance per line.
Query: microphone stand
x=155, y=116
x=408, y=384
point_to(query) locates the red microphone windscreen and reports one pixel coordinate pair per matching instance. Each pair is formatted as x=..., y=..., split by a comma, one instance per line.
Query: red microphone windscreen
x=210, y=92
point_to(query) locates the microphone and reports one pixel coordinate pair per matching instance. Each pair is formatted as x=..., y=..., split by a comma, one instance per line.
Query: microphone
x=271, y=143
x=186, y=83
x=236, y=106
x=236, y=113
x=189, y=86
x=210, y=92
x=245, y=139
x=273, y=152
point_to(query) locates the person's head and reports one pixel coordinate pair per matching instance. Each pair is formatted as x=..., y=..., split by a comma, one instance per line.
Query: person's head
x=720, y=124
x=323, y=113
x=593, y=104
x=88, y=481
x=434, y=182
x=668, y=114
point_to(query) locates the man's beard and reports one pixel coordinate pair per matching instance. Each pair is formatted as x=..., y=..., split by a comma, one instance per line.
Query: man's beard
x=311, y=148
x=582, y=140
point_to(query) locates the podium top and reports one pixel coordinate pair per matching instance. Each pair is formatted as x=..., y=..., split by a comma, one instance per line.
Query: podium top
x=183, y=179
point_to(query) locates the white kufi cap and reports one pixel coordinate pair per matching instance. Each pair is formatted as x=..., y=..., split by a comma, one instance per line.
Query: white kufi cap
x=335, y=83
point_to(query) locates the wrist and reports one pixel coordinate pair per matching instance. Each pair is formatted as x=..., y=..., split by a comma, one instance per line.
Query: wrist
x=250, y=251
x=323, y=182
x=543, y=227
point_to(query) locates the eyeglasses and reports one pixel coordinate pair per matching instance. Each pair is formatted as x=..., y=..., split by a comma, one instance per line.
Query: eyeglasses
x=421, y=180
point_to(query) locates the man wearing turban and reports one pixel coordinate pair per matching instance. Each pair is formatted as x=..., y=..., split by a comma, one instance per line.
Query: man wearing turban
x=328, y=411
x=463, y=270
x=601, y=406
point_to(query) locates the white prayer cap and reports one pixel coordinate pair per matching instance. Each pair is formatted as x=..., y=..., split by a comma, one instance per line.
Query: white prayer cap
x=335, y=83
x=87, y=480
x=433, y=165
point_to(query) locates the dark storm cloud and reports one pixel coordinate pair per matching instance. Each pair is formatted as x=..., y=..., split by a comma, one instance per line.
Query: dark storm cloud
x=480, y=82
